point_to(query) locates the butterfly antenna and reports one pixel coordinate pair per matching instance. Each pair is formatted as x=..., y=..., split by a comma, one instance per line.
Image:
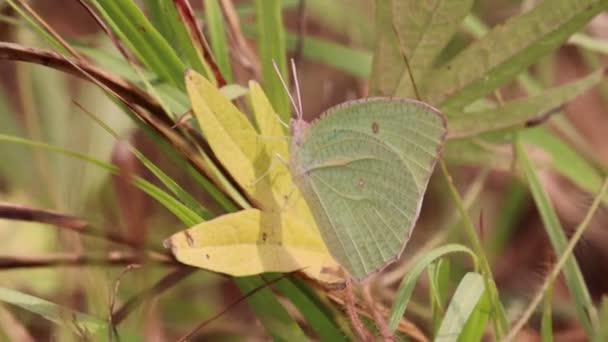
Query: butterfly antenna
x=293, y=103
x=407, y=63
x=297, y=84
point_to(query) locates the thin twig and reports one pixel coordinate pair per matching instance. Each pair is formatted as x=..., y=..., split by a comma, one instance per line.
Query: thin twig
x=167, y=282
x=250, y=293
x=114, y=258
x=126, y=90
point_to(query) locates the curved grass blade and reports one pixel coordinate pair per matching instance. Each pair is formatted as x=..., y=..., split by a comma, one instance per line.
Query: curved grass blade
x=409, y=282
x=465, y=299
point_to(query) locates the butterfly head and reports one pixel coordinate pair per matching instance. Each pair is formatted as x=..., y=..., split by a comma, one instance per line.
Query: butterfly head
x=298, y=126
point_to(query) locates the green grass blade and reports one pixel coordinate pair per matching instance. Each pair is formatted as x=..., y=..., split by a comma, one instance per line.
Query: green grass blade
x=217, y=37
x=271, y=47
x=546, y=324
x=465, y=299
x=518, y=112
x=425, y=28
x=507, y=50
x=572, y=273
x=439, y=281
x=270, y=312
x=409, y=282
x=353, y=61
x=80, y=323
x=134, y=30
x=311, y=308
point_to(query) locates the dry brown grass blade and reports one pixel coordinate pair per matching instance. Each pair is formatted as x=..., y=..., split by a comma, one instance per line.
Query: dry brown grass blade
x=198, y=39
x=116, y=258
x=244, y=53
x=126, y=90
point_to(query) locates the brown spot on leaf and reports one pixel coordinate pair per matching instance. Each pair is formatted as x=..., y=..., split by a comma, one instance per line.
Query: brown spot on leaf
x=264, y=237
x=207, y=256
x=375, y=127
x=189, y=239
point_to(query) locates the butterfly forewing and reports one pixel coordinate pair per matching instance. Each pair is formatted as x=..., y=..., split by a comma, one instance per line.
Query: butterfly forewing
x=363, y=169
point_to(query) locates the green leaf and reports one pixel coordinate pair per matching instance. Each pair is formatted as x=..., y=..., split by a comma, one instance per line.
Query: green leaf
x=309, y=305
x=462, y=305
x=409, y=282
x=269, y=311
x=518, y=113
x=387, y=64
x=217, y=37
x=134, y=30
x=546, y=324
x=425, y=28
x=507, y=50
x=564, y=159
x=475, y=327
x=572, y=273
x=80, y=323
x=439, y=280
x=271, y=47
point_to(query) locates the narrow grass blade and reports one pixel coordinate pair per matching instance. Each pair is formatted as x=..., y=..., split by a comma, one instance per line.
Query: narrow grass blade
x=271, y=47
x=475, y=328
x=572, y=273
x=439, y=280
x=309, y=305
x=465, y=299
x=409, y=282
x=507, y=50
x=546, y=324
x=134, y=29
x=353, y=61
x=80, y=323
x=217, y=37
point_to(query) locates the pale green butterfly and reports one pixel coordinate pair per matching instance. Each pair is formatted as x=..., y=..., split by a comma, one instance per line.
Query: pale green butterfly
x=363, y=168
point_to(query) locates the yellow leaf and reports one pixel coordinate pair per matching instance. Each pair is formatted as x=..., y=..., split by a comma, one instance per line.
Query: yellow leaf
x=251, y=242
x=280, y=235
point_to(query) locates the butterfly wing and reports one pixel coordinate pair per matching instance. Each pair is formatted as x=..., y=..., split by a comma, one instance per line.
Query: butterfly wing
x=363, y=169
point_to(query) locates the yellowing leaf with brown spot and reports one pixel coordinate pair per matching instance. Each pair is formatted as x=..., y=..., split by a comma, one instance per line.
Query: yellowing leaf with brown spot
x=250, y=242
x=280, y=236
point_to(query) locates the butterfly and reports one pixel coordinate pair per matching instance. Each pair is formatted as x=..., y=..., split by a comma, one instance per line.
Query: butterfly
x=363, y=167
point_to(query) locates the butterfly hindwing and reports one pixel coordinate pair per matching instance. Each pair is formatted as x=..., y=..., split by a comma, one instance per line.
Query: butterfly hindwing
x=363, y=168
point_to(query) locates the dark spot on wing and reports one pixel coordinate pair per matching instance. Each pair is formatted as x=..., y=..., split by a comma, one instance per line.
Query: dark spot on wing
x=189, y=238
x=375, y=127
x=361, y=183
x=264, y=237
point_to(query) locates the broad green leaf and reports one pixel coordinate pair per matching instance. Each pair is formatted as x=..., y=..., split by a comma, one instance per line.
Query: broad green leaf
x=425, y=28
x=572, y=273
x=507, y=50
x=462, y=305
x=387, y=63
x=408, y=283
x=271, y=47
x=475, y=327
x=518, y=113
x=80, y=323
